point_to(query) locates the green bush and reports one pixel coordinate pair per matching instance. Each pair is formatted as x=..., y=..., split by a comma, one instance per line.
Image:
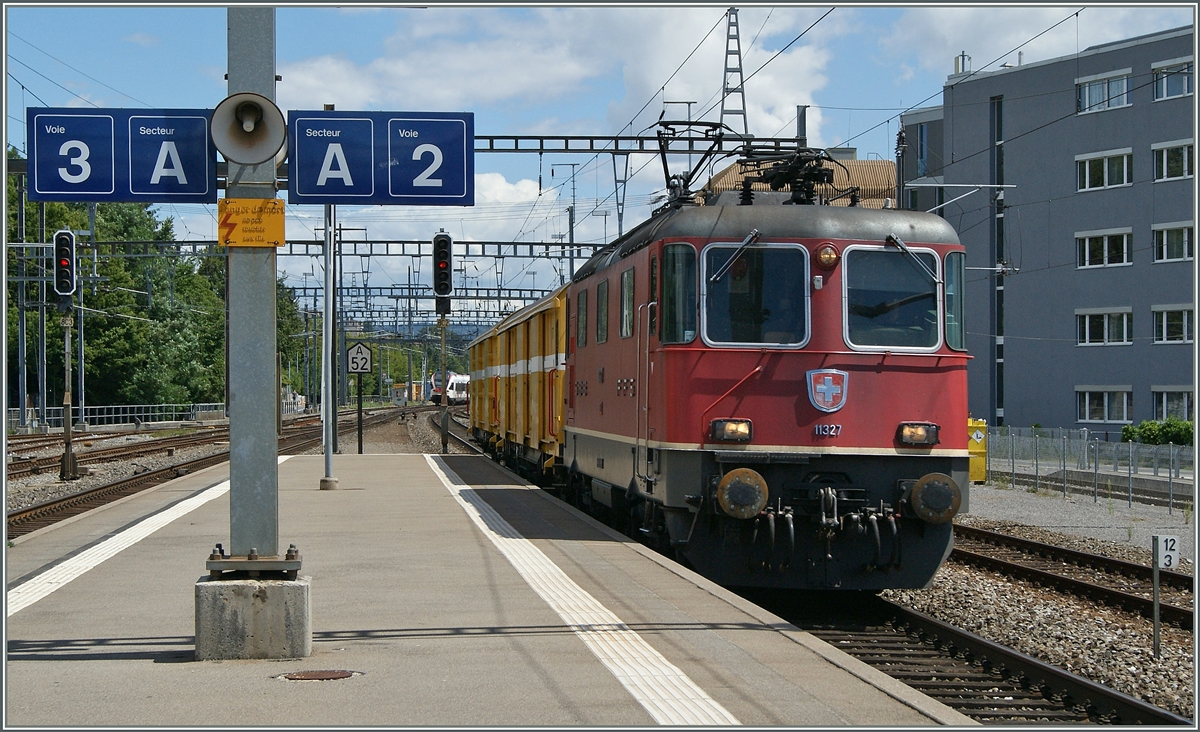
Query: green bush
x=1173, y=430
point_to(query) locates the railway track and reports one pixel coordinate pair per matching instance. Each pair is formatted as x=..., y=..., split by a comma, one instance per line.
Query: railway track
x=977, y=677
x=1111, y=581
x=296, y=439
x=20, y=468
x=458, y=431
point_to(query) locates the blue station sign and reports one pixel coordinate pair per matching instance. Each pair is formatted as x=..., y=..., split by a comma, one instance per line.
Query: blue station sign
x=121, y=155
x=368, y=158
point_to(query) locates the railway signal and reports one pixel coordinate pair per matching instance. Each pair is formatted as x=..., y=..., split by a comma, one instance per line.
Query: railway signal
x=64, y=262
x=443, y=271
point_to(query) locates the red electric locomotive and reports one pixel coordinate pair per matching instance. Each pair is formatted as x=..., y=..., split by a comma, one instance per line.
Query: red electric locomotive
x=776, y=390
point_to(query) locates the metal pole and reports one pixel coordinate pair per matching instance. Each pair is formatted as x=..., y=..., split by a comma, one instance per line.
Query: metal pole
x=1170, y=475
x=82, y=423
x=1154, y=562
x=445, y=388
x=67, y=467
x=1129, y=467
x=1037, y=483
x=1064, y=463
x=43, y=303
x=22, y=367
x=328, y=403
x=253, y=385
x=1012, y=456
x=1096, y=474
x=359, y=379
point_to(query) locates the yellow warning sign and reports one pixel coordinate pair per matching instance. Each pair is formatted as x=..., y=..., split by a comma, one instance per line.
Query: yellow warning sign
x=250, y=222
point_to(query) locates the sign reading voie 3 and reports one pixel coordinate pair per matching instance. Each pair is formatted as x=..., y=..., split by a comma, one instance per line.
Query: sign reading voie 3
x=367, y=158
x=114, y=155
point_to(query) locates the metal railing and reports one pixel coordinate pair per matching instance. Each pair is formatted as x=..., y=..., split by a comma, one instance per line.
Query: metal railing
x=135, y=414
x=1081, y=462
x=120, y=414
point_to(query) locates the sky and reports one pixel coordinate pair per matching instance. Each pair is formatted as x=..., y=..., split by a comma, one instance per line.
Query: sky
x=542, y=69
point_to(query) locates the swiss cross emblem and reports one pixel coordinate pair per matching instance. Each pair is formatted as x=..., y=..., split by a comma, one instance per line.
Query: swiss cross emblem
x=827, y=389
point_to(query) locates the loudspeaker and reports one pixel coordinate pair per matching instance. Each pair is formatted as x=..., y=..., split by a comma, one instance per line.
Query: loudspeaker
x=248, y=128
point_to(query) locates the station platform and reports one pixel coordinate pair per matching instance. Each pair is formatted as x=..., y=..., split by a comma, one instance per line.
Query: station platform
x=456, y=595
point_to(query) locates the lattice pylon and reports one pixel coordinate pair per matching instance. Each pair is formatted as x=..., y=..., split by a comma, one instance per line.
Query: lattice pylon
x=731, y=107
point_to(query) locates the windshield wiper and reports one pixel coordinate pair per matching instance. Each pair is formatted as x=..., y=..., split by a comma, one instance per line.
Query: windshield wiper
x=893, y=239
x=750, y=239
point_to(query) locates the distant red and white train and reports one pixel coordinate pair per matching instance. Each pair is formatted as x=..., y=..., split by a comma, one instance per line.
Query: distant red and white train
x=458, y=385
x=774, y=392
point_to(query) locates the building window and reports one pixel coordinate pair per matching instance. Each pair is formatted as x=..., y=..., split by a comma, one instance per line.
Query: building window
x=627, y=303
x=1172, y=161
x=1104, y=328
x=1104, y=406
x=1173, y=81
x=1174, y=405
x=1104, y=170
x=1173, y=244
x=922, y=150
x=1172, y=325
x=1101, y=249
x=581, y=320
x=1099, y=94
x=914, y=201
x=602, y=312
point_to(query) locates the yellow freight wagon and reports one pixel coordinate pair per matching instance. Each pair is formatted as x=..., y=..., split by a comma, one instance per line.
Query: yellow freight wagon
x=517, y=394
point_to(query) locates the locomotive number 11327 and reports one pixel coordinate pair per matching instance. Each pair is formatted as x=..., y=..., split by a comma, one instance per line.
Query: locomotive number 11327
x=827, y=430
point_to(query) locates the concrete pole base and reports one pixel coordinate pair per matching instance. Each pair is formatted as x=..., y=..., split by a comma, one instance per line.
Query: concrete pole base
x=253, y=618
x=329, y=484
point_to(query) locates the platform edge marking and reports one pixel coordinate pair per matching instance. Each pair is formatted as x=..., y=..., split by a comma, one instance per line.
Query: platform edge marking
x=36, y=588
x=663, y=690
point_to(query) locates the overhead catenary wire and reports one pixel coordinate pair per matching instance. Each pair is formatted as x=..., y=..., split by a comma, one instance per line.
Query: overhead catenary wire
x=968, y=76
x=72, y=68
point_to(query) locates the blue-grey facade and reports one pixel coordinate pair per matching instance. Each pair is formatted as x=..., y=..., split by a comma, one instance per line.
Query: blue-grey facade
x=1080, y=306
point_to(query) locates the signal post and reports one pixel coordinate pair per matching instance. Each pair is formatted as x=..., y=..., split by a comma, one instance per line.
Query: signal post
x=443, y=285
x=64, y=287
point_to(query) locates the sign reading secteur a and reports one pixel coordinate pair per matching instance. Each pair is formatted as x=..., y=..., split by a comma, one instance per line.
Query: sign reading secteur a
x=369, y=158
x=121, y=155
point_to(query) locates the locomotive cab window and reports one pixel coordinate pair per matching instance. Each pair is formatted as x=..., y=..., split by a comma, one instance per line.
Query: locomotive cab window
x=955, y=303
x=891, y=300
x=627, y=303
x=678, y=303
x=761, y=297
x=581, y=320
x=602, y=312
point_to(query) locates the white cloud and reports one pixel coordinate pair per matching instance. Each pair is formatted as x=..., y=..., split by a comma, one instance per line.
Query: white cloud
x=142, y=39
x=986, y=33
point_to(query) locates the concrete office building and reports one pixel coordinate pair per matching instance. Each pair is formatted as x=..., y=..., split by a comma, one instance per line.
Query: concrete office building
x=1080, y=309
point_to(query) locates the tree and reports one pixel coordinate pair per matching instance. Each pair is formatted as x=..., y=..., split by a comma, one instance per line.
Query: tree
x=154, y=326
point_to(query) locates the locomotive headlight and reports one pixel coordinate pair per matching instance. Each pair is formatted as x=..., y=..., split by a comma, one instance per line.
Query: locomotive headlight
x=827, y=256
x=918, y=433
x=742, y=493
x=732, y=430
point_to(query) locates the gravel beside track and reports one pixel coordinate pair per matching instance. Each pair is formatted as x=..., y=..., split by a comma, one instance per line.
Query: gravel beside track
x=1109, y=646
x=39, y=488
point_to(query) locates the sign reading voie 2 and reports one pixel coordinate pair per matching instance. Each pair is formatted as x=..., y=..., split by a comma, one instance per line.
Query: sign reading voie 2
x=121, y=155
x=368, y=158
